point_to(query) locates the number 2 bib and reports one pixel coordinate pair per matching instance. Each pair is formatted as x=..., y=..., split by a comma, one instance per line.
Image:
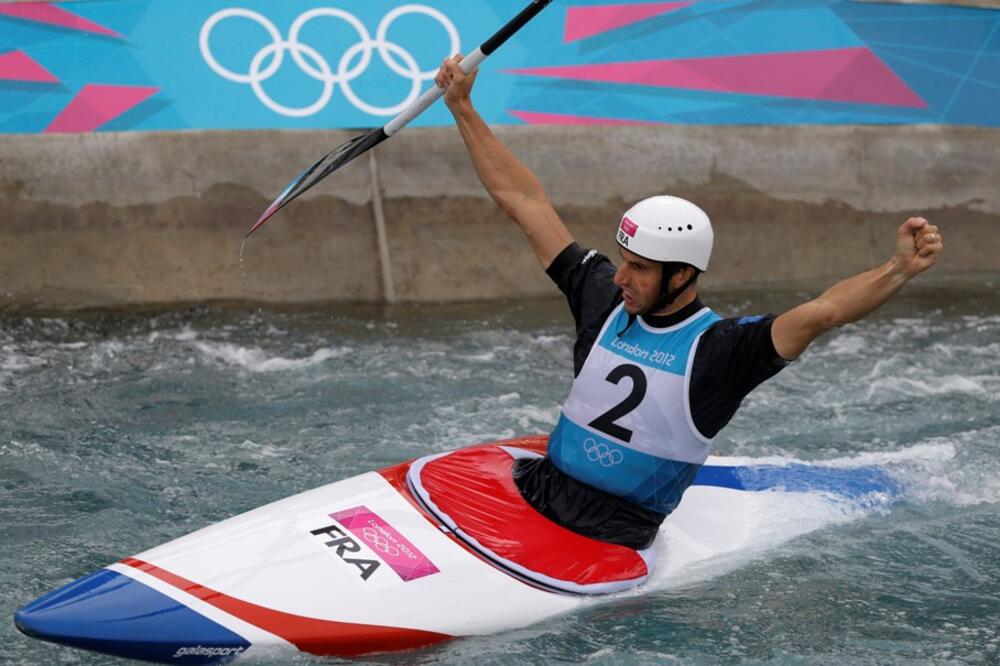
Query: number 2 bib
x=626, y=427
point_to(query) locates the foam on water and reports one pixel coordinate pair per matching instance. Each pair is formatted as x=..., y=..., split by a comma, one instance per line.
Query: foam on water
x=767, y=520
x=254, y=359
x=970, y=477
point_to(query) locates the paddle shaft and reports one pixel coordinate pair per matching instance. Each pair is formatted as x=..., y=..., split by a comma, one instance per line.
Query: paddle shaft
x=469, y=63
x=362, y=144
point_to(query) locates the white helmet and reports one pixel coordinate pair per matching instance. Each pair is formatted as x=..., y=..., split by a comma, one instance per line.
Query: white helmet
x=667, y=229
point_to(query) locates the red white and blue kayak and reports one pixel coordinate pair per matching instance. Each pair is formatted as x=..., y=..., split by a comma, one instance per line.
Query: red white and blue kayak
x=408, y=556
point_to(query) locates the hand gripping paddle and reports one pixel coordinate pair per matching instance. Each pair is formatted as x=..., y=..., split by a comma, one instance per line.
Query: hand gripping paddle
x=360, y=145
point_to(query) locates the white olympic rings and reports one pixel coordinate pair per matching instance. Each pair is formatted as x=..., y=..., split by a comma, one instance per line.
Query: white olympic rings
x=314, y=65
x=379, y=542
x=602, y=453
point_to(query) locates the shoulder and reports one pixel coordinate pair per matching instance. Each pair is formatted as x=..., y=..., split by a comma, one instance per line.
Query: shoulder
x=733, y=357
x=575, y=262
x=587, y=278
x=748, y=336
x=729, y=326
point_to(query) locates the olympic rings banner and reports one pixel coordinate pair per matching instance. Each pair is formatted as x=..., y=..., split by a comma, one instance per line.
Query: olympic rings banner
x=119, y=65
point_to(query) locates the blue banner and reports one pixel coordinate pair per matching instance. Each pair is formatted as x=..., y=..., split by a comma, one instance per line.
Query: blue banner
x=258, y=64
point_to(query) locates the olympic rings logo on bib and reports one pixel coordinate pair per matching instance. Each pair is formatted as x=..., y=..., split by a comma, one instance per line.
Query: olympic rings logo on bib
x=602, y=453
x=313, y=64
x=379, y=542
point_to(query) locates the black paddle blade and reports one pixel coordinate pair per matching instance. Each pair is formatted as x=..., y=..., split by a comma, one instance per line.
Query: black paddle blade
x=317, y=172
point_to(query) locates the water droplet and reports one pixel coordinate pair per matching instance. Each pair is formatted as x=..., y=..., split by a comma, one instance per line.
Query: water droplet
x=243, y=263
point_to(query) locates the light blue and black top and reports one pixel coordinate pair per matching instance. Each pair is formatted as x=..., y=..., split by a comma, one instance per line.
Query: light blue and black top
x=646, y=401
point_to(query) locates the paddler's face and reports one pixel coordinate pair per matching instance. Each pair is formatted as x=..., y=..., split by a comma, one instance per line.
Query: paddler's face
x=639, y=280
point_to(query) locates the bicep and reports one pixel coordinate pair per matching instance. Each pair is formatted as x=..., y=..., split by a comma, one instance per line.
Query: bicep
x=540, y=223
x=795, y=330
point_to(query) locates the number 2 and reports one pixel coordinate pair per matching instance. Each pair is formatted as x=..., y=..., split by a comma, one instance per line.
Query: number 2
x=606, y=421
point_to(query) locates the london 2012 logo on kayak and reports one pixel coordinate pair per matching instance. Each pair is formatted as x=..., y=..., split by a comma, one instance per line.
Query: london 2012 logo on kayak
x=360, y=524
x=353, y=63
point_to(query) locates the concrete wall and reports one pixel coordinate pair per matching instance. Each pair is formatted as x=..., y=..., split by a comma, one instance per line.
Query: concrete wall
x=96, y=220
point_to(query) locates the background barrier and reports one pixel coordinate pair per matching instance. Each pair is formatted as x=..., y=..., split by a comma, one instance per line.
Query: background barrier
x=109, y=219
x=807, y=184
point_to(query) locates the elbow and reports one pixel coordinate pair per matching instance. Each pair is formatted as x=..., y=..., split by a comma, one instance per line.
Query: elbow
x=515, y=204
x=506, y=204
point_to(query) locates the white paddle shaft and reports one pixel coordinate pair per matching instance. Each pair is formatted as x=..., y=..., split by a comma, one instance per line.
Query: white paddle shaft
x=468, y=63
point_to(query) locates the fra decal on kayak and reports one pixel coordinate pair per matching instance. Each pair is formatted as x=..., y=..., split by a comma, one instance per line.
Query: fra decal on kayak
x=346, y=546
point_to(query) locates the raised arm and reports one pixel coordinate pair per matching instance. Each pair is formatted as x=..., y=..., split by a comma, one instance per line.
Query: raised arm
x=511, y=184
x=918, y=245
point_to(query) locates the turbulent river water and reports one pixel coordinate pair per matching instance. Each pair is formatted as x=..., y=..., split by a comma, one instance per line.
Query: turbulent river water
x=121, y=431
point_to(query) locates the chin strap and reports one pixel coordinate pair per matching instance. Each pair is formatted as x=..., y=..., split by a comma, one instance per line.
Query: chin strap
x=666, y=298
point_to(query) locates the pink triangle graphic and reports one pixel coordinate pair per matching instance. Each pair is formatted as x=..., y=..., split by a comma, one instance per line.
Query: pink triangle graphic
x=583, y=22
x=542, y=118
x=19, y=66
x=45, y=12
x=97, y=104
x=854, y=75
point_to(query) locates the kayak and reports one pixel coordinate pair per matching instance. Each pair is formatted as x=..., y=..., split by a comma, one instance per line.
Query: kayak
x=408, y=556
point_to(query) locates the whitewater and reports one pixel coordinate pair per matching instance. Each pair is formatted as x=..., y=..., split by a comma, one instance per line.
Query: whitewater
x=124, y=430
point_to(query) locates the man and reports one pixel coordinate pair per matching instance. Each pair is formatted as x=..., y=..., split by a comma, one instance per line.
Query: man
x=658, y=374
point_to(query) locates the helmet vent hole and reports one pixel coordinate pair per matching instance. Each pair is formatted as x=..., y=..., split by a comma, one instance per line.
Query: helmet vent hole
x=670, y=228
x=690, y=227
